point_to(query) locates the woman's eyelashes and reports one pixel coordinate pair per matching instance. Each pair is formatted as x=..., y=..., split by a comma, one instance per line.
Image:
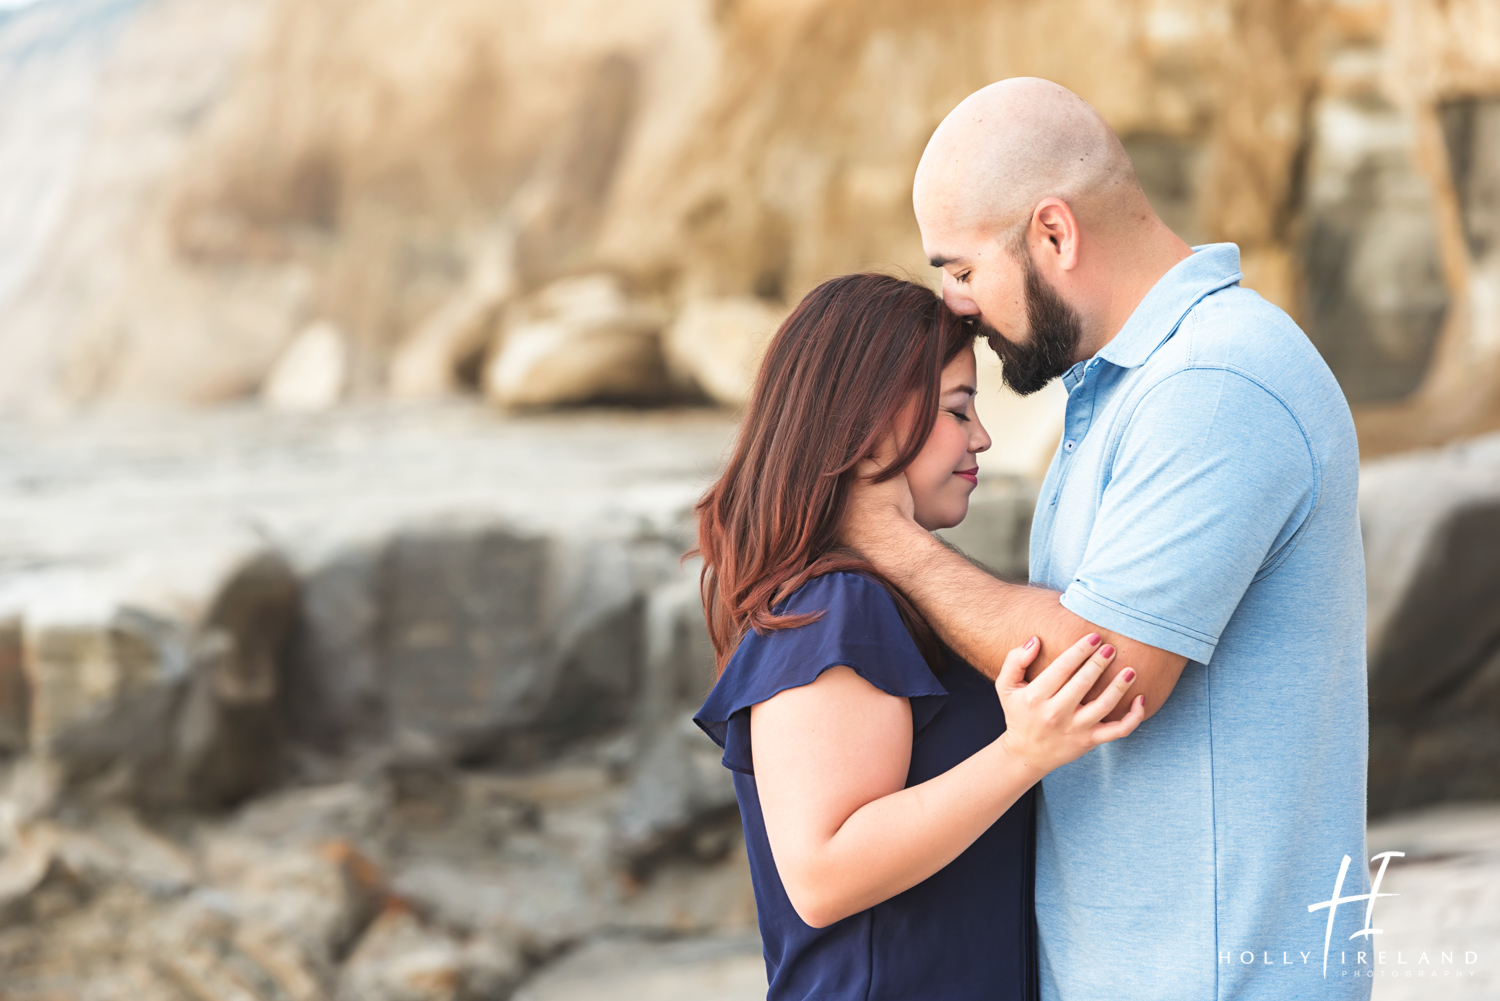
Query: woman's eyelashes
x=960, y=415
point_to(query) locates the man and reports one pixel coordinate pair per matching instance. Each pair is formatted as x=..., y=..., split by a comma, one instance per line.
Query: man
x=1200, y=514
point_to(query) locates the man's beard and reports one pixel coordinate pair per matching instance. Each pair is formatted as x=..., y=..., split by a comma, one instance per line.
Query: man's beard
x=1055, y=333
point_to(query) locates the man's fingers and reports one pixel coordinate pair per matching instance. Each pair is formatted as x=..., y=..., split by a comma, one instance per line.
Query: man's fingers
x=1113, y=692
x=1046, y=684
x=1012, y=674
x=1124, y=726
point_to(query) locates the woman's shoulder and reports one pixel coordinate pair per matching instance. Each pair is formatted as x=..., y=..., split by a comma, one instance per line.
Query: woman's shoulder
x=840, y=591
x=859, y=627
x=856, y=617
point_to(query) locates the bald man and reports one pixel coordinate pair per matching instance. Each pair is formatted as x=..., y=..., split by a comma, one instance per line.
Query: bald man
x=1199, y=513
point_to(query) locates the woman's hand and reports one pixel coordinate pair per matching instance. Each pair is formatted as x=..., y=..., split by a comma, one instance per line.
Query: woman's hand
x=1046, y=722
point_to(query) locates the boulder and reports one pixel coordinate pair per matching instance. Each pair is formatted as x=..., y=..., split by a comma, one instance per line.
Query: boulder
x=716, y=344
x=679, y=657
x=432, y=361
x=579, y=340
x=320, y=898
x=34, y=882
x=207, y=946
x=158, y=678
x=686, y=896
x=477, y=635
x=464, y=656
x=312, y=373
x=400, y=960
x=679, y=799
x=332, y=695
x=298, y=819
x=725, y=968
x=1431, y=524
x=15, y=692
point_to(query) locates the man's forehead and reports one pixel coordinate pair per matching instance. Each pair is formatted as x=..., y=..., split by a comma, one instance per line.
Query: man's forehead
x=947, y=245
x=949, y=240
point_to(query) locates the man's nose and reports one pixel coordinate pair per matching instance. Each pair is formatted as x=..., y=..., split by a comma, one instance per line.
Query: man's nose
x=958, y=301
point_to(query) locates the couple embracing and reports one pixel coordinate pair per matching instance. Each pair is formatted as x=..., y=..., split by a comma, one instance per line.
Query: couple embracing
x=1118, y=781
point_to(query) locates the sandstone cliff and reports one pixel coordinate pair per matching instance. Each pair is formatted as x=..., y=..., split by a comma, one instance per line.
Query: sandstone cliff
x=199, y=182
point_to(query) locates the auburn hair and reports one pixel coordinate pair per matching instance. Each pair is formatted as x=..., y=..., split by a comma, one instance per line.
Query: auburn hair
x=856, y=353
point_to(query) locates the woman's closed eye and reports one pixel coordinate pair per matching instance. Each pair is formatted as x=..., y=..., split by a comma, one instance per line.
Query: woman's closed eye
x=961, y=415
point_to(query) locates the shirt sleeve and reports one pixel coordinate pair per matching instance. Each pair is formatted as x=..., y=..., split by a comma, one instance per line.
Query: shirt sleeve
x=860, y=629
x=1208, y=488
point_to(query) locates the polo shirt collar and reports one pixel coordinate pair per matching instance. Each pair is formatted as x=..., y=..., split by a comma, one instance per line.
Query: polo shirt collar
x=1155, y=320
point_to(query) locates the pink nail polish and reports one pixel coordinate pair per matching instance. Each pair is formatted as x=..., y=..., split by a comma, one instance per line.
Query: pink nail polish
x=1093, y=639
x=1107, y=651
x=1128, y=674
x=1030, y=643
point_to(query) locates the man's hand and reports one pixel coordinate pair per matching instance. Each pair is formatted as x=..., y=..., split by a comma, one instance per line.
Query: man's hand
x=878, y=514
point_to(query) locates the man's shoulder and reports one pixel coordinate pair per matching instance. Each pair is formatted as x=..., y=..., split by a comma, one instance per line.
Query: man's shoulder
x=1236, y=330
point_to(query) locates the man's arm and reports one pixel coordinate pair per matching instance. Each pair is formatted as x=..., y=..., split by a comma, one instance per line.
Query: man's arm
x=980, y=617
x=1212, y=480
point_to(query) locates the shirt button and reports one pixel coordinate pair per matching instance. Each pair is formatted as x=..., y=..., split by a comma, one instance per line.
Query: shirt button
x=1069, y=445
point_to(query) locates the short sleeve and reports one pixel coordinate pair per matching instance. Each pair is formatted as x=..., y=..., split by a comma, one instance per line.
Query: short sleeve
x=860, y=629
x=1208, y=489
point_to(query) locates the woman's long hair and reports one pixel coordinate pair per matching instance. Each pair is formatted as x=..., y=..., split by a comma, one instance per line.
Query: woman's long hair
x=855, y=353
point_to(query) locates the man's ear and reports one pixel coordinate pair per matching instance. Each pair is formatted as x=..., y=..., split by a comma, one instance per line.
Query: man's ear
x=1054, y=231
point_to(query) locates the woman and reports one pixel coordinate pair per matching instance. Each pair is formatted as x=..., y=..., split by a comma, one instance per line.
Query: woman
x=885, y=791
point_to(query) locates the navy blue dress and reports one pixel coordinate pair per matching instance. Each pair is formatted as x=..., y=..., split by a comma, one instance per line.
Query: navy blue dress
x=963, y=934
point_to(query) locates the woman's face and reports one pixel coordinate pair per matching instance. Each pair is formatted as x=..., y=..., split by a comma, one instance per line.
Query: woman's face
x=946, y=471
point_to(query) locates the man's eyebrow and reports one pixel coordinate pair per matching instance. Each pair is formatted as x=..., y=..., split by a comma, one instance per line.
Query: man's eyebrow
x=939, y=262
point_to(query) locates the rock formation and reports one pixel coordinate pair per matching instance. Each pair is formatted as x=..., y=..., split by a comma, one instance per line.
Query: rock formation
x=394, y=704
x=312, y=697
x=1432, y=536
x=217, y=178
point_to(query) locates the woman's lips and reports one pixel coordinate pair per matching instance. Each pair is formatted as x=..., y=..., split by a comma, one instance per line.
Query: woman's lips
x=972, y=475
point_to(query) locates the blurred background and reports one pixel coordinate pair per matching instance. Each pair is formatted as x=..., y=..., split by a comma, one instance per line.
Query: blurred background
x=360, y=363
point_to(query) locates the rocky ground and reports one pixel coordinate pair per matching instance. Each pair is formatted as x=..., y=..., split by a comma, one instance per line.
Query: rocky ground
x=377, y=704
x=392, y=704
x=412, y=881
x=1442, y=930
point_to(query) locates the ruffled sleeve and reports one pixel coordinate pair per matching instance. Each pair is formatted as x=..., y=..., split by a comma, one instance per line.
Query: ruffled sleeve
x=860, y=629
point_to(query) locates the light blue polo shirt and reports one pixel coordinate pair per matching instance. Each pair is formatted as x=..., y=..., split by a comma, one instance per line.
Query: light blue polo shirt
x=1202, y=500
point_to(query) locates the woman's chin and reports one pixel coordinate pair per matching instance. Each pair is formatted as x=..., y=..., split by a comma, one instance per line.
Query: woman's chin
x=940, y=518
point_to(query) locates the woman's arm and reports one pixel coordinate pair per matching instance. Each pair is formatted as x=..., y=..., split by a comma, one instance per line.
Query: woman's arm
x=831, y=760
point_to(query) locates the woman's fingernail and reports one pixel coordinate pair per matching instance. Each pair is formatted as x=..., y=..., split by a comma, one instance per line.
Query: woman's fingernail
x=1107, y=651
x=1128, y=674
x=1030, y=643
x=1094, y=639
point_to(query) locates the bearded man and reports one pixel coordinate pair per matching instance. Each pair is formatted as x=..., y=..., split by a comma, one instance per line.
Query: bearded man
x=1199, y=513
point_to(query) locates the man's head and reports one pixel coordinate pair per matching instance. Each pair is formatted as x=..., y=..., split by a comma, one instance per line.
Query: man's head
x=1029, y=203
